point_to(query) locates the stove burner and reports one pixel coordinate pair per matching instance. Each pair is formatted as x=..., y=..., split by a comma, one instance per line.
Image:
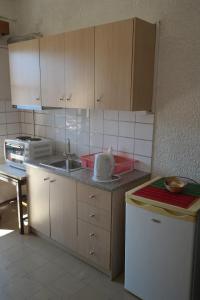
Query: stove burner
x=28, y=138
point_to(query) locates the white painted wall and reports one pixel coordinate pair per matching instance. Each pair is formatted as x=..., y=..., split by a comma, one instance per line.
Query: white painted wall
x=177, y=134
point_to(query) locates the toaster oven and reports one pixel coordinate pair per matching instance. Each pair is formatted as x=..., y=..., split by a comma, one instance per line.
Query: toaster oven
x=21, y=149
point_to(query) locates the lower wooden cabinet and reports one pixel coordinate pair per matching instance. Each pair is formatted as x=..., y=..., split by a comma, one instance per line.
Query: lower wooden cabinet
x=84, y=219
x=94, y=244
x=39, y=200
x=63, y=211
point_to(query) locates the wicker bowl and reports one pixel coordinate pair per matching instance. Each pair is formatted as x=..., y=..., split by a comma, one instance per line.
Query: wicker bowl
x=174, y=184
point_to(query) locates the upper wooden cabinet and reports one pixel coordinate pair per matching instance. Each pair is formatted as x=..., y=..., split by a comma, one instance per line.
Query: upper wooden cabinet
x=113, y=62
x=79, y=68
x=110, y=66
x=25, y=73
x=124, y=65
x=52, y=64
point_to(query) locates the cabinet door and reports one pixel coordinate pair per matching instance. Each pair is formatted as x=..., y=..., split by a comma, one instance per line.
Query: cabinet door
x=38, y=182
x=158, y=258
x=52, y=70
x=63, y=211
x=113, y=64
x=79, y=68
x=25, y=73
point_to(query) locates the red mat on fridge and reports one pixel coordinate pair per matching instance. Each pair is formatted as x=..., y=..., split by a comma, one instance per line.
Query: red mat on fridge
x=164, y=196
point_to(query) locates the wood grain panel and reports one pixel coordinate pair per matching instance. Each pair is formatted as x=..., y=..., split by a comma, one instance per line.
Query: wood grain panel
x=79, y=68
x=113, y=63
x=143, y=65
x=93, y=196
x=25, y=72
x=52, y=52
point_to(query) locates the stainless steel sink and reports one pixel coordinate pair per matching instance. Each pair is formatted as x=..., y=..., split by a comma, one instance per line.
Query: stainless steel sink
x=67, y=165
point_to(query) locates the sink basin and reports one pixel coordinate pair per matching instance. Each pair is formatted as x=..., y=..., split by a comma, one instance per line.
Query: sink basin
x=66, y=165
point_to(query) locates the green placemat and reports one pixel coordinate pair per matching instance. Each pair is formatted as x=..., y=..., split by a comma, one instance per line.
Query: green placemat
x=191, y=189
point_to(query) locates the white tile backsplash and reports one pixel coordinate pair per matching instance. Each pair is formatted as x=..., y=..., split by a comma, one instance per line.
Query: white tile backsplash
x=143, y=148
x=96, y=140
x=111, y=115
x=126, y=129
x=110, y=141
x=110, y=127
x=90, y=131
x=144, y=131
x=125, y=145
x=96, y=121
x=12, y=117
x=127, y=116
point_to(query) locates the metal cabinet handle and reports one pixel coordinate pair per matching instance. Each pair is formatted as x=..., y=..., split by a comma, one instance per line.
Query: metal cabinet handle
x=99, y=99
x=69, y=98
x=92, y=215
x=92, y=196
x=53, y=180
x=92, y=235
x=37, y=99
x=46, y=178
x=91, y=252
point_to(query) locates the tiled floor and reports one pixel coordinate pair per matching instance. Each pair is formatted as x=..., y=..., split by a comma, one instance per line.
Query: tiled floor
x=31, y=268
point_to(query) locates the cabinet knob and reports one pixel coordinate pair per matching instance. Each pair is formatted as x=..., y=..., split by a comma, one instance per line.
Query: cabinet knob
x=46, y=178
x=69, y=98
x=37, y=99
x=92, y=215
x=61, y=99
x=92, y=235
x=99, y=98
x=91, y=252
x=53, y=180
x=92, y=196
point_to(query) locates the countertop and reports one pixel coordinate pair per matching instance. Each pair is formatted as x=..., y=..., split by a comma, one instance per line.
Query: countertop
x=7, y=170
x=85, y=176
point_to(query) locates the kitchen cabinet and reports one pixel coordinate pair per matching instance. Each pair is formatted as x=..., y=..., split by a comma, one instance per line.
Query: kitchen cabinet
x=63, y=211
x=25, y=73
x=109, y=66
x=52, y=64
x=124, y=65
x=53, y=206
x=79, y=68
x=38, y=185
x=87, y=220
x=113, y=62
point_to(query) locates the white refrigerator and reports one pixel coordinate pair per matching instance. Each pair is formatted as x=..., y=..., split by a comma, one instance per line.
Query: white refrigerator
x=158, y=252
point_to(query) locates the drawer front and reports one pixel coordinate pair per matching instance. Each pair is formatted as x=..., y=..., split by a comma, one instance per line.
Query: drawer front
x=93, y=196
x=93, y=215
x=94, y=244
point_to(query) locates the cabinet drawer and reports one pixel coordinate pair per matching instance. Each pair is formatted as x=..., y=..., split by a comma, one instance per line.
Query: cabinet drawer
x=93, y=196
x=94, y=244
x=94, y=215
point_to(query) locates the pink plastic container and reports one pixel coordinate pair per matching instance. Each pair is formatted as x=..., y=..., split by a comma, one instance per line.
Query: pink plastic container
x=122, y=164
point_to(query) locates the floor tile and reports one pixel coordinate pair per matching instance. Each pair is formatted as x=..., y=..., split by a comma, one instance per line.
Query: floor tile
x=46, y=294
x=47, y=273
x=67, y=285
x=88, y=293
